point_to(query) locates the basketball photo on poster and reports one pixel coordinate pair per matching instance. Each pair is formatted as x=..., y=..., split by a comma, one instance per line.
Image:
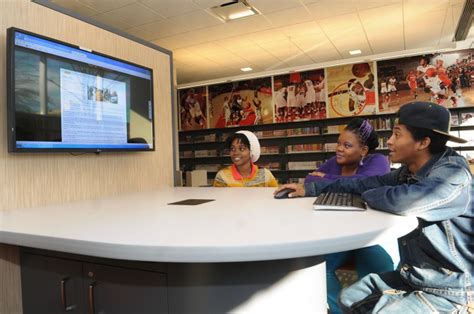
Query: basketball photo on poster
x=441, y=78
x=299, y=96
x=193, y=108
x=351, y=90
x=241, y=103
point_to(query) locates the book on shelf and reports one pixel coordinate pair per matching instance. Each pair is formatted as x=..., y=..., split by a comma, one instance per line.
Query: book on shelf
x=382, y=143
x=205, y=153
x=304, y=148
x=381, y=123
x=330, y=147
x=279, y=133
x=208, y=167
x=269, y=165
x=334, y=129
x=188, y=154
x=269, y=150
x=304, y=131
x=303, y=165
x=454, y=120
x=467, y=118
x=210, y=138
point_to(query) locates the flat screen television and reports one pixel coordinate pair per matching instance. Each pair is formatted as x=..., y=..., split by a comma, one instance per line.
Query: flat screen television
x=65, y=98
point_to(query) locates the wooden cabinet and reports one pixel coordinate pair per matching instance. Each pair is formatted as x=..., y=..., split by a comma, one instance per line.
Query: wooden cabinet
x=60, y=285
x=51, y=285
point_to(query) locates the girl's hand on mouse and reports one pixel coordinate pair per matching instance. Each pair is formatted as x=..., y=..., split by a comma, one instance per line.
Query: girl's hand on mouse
x=299, y=189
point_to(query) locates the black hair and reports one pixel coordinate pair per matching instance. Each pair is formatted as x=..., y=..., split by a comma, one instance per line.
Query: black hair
x=438, y=141
x=243, y=139
x=372, y=141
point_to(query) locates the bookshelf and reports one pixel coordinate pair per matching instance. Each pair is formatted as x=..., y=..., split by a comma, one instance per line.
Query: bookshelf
x=292, y=150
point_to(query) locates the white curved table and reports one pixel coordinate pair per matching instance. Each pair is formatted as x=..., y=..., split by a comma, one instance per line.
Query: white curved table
x=241, y=227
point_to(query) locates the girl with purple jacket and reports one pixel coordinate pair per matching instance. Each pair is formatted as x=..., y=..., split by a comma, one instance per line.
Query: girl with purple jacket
x=355, y=157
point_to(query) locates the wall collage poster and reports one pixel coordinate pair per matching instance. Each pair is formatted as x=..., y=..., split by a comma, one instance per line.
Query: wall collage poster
x=348, y=90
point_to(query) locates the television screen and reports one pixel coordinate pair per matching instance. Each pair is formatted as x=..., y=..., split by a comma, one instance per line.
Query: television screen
x=67, y=98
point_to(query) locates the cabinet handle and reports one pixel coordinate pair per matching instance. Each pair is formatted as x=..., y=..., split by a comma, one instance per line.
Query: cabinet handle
x=66, y=307
x=91, y=297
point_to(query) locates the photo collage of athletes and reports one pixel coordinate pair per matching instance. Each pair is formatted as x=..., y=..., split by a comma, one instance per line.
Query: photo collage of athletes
x=444, y=79
x=340, y=91
x=299, y=96
x=240, y=103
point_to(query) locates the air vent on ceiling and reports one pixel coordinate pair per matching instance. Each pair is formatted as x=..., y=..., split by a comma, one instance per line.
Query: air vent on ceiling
x=233, y=10
x=465, y=21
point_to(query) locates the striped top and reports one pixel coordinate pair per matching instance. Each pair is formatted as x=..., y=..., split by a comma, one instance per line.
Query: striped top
x=259, y=177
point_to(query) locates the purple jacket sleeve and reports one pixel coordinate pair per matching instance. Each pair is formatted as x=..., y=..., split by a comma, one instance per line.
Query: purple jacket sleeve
x=330, y=166
x=374, y=165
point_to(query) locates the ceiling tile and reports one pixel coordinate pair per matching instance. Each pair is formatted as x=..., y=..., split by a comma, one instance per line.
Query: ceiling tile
x=413, y=7
x=342, y=23
x=289, y=16
x=298, y=60
x=138, y=32
x=218, y=55
x=346, y=33
x=251, y=24
x=317, y=47
x=169, y=8
x=204, y=49
x=232, y=29
x=106, y=5
x=111, y=20
x=179, y=41
x=326, y=52
x=391, y=17
x=234, y=43
x=255, y=54
x=450, y=23
x=206, y=4
x=265, y=6
x=329, y=8
x=420, y=33
x=76, y=7
x=183, y=55
x=133, y=14
x=282, y=49
x=155, y=30
x=195, y=20
x=371, y=4
x=301, y=29
x=266, y=36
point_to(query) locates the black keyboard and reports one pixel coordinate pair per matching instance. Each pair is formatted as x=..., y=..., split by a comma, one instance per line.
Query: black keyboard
x=339, y=201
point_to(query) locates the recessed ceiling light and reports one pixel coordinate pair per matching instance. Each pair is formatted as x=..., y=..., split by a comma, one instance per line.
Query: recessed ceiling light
x=233, y=10
x=246, y=69
x=355, y=52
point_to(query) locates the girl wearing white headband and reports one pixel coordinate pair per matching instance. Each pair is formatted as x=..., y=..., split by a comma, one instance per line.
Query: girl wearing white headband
x=244, y=150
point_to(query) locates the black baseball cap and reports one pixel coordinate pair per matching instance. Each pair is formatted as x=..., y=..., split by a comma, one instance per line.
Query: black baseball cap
x=427, y=115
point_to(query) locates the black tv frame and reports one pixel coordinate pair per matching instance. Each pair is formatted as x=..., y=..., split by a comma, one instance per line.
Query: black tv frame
x=11, y=110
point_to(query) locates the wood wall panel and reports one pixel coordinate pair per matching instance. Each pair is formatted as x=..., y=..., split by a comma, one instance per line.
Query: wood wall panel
x=29, y=180
x=37, y=179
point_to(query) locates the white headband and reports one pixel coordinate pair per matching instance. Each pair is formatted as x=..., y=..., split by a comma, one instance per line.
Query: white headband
x=254, y=145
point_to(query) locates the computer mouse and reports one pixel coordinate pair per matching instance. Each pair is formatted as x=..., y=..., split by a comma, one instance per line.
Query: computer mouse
x=284, y=193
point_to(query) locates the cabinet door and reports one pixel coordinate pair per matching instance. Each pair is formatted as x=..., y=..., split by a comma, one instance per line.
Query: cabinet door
x=51, y=285
x=120, y=290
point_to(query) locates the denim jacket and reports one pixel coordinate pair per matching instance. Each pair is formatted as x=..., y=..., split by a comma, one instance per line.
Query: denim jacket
x=438, y=256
